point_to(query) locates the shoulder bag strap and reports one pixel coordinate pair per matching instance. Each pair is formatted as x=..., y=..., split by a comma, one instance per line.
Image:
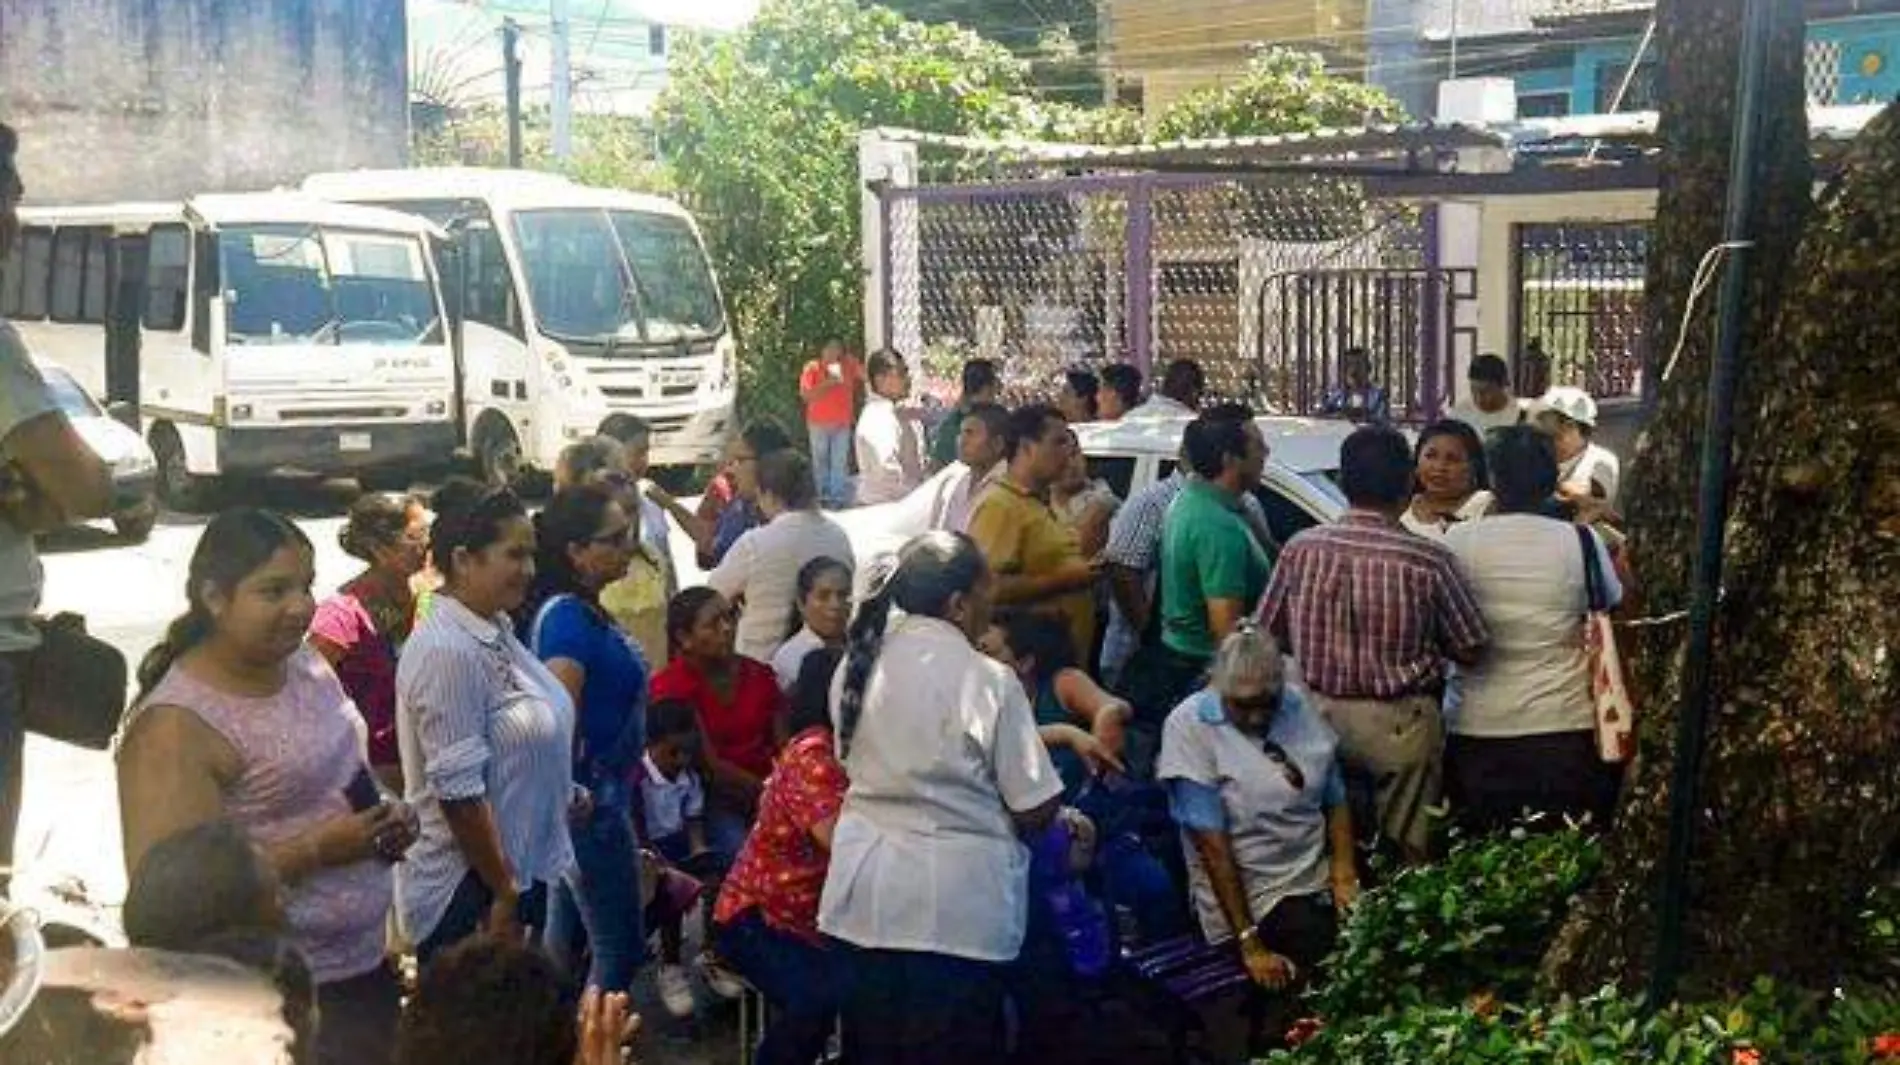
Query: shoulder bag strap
x=1594, y=593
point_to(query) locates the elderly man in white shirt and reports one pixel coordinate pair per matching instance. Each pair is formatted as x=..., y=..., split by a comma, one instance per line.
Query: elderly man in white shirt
x=889, y=444
x=1179, y=395
x=929, y=883
x=762, y=567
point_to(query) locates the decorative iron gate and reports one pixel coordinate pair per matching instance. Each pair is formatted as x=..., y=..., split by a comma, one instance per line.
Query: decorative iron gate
x=1578, y=289
x=1406, y=319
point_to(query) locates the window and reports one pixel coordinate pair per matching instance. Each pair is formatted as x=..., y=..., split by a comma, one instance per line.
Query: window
x=10, y=283
x=1822, y=75
x=1642, y=91
x=167, y=278
x=92, y=304
x=36, y=269
x=656, y=39
x=69, y=275
x=1284, y=516
x=1544, y=104
x=1117, y=471
x=491, y=289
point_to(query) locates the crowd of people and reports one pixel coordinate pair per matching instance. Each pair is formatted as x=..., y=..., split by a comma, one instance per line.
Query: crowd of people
x=518, y=747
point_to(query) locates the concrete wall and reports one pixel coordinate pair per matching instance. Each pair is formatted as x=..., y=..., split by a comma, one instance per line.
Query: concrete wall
x=1175, y=47
x=158, y=99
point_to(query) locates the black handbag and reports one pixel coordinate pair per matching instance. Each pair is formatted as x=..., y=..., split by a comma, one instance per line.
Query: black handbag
x=74, y=687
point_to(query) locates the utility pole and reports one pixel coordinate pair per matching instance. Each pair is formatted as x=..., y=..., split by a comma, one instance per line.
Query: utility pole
x=1731, y=323
x=511, y=69
x=560, y=95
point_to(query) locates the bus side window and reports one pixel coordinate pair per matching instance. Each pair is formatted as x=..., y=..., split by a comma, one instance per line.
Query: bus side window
x=10, y=281
x=36, y=273
x=167, y=278
x=205, y=284
x=491, y=292
x=69, y=275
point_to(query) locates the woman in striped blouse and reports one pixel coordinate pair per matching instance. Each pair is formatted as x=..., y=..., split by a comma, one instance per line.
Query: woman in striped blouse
x=487, y=737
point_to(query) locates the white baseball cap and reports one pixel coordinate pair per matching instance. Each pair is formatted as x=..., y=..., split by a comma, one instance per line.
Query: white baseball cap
x=1572, y=403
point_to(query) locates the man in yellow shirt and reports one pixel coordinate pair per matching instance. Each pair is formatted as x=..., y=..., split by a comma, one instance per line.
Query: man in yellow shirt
x=1037, y=563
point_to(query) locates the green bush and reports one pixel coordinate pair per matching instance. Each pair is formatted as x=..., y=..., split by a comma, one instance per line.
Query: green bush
x=1478, y=921
x=1772, y=1025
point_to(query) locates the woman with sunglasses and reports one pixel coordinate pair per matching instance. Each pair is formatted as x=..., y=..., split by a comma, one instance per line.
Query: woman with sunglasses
x=1254, y=783
x=585, y=539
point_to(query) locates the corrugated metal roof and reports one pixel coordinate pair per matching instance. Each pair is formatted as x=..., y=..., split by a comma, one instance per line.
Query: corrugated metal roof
x=1358, y=145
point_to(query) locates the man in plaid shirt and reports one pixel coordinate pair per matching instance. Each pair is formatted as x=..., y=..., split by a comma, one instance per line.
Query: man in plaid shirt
x=1372, y=612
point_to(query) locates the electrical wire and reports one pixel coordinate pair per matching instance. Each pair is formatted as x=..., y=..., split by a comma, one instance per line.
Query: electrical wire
x=1705, y=273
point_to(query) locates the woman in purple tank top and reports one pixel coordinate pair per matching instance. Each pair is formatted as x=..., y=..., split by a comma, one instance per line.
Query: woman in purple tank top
x=236, y=718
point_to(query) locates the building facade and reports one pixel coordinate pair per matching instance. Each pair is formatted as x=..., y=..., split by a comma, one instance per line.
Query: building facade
x=1155, y=52
x=133, y=99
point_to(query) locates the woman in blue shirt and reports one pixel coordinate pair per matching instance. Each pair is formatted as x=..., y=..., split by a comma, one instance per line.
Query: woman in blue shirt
x=585, y=541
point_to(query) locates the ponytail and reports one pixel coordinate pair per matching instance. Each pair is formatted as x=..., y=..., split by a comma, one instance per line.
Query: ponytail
x=185, y=632
x=233, y=546
x=931, y=571
x=862, y=643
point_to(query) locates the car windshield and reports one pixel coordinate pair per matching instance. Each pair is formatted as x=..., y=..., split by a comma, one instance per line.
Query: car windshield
x=301, y=284
x=71, y=399
x=618, y=276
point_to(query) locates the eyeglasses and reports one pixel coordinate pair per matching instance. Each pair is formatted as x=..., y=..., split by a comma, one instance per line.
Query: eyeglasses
x=1278, y=756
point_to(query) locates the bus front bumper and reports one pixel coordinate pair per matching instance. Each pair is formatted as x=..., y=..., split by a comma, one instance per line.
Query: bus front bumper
x=336, y=448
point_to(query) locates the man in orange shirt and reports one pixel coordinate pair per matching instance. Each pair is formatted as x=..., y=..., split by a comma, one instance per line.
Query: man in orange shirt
x=829, y=387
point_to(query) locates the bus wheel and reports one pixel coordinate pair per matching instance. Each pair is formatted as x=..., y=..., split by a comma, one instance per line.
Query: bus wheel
x=498, y=455
x=178, y=487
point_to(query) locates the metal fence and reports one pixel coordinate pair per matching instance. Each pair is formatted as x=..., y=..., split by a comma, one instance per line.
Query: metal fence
x=1579, y=299
x=1263, y=280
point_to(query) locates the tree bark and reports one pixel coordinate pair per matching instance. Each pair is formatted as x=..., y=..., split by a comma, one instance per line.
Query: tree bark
x=1612, y=930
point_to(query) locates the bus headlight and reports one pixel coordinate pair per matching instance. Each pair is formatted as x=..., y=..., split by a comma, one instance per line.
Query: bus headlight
x=241, y=412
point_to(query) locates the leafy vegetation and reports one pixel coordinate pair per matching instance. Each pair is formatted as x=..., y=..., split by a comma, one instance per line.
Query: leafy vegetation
x=1057, y=37
x=1283, y=91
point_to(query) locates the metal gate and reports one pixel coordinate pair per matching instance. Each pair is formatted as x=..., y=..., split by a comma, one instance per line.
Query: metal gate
x=1408, y=320
x=1578, y=296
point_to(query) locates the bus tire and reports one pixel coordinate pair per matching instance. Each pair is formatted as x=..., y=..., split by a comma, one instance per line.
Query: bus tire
x=178, y=487
x=497, y=454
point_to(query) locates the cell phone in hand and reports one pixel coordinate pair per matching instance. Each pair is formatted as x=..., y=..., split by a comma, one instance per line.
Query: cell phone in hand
x=362, y=793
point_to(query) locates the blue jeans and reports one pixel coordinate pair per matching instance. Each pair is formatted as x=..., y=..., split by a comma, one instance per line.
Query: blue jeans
x=831, y=462
x=802, y=982
x=468, y=912
x=12, y=755
x=598, y=904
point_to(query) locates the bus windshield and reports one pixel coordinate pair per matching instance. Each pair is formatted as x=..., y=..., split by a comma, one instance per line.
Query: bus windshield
x=302, y=284
x=618, y=276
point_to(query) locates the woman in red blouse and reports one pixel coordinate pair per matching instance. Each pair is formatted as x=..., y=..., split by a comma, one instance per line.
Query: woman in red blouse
x=741, y=710
x=766, y=923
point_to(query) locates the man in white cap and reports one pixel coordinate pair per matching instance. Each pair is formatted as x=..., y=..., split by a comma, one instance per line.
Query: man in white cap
x=1585, y=470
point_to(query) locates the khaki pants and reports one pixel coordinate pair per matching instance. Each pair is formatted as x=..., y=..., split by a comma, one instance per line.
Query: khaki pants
x=1401, y=745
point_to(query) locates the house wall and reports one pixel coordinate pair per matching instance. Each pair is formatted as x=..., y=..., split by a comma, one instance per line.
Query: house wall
x=159, y=99
x=1175, y=47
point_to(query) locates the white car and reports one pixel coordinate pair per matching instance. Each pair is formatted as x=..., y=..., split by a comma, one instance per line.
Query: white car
x=1297, y=492
x=134, y=471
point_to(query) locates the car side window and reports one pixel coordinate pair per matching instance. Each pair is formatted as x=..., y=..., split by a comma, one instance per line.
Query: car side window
x=1166, y=469
x=1117, y=471
x=1284, y=516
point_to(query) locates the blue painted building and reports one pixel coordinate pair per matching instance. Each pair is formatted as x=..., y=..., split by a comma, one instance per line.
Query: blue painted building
x=1570, y=57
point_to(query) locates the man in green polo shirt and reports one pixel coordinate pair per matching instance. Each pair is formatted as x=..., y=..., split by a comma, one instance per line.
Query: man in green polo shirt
x=1213, y=569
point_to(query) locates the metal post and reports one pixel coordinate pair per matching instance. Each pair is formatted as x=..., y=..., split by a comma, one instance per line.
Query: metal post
x=1140, y=280
x=1433, y=326
x=1712, y=504
x=561, y=83
x=511, y=71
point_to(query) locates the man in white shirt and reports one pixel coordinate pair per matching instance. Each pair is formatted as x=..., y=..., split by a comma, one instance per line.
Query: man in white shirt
x=1492, y=405
x=980, y=450
x=48, y=477
x=1585, y=471
x=762, y=567
x=889, y=446
x=1182, y=387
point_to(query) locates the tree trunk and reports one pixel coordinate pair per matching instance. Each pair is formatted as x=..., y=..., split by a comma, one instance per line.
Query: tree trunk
x=1612, y=931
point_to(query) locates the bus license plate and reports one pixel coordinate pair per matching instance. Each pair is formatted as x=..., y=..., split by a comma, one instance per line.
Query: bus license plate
x=353, y=442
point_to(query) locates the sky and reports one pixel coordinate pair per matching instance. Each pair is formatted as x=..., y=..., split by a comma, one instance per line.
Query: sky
x=455, y=47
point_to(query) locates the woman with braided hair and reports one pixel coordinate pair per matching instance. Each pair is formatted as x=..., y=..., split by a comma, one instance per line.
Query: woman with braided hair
x=928, y=887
